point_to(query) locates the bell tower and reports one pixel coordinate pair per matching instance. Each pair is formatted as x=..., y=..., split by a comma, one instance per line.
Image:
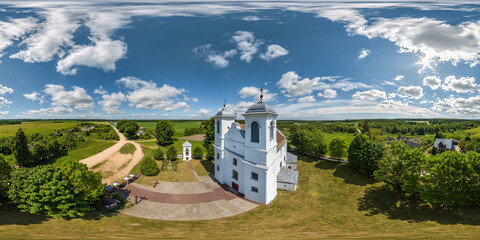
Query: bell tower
x=223, y=121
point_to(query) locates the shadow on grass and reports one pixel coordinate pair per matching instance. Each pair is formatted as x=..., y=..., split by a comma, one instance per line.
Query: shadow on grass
x=11, y=215
x=351, y=176
x=209, y=166
x=395, y=205
x=322, y=164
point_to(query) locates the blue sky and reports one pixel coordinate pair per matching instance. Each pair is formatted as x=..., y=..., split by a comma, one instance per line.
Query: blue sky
x=181, y=60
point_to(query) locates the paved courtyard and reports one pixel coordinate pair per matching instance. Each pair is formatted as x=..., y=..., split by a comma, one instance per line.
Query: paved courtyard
x=179, y=201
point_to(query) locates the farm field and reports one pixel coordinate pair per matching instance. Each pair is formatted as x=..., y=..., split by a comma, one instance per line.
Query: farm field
x=35, y=127
x=84, y=149
x=331, y=201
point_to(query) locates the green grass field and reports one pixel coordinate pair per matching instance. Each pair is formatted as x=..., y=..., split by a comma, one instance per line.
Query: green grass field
x=329, y=137
x=331, y=202
x=84, y=149
x=203, y=167
x=128, y=149
x=35, y=127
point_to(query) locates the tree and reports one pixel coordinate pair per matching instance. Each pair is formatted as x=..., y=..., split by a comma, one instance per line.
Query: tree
x=20, y=148
x=131, y=131
x=171, y=153
x=209, y=126
x=149, y=167
x=5, y=171
x=45, y=189
x=368, y=157
x=87, y=184
x=452, y=179
x=338, y=147
x=365, y=127
x=158, y=155
x=311, y=142
x=355, y=145
x=53, y=147
x=164, y=132
x=40, y=151
x=210, y=152
x=197, y=153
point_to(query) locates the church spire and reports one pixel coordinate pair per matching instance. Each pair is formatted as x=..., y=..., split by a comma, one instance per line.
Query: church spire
x=261, y=94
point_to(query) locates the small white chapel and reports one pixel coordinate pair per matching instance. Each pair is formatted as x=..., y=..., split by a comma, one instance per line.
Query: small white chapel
x=253, y=160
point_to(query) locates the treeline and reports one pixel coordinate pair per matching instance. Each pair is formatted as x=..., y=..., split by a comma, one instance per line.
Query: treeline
x=329, y=127
x=128, y=127
x=421, y=127
x=9, y=122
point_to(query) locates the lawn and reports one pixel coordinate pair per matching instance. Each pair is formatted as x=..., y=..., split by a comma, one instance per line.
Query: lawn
x=179, y=126
x=35, y=127
x=331, y=202
x=203, y=167
x=85, y=149
x=183, y=174
x=177, y=143
x=128, y=149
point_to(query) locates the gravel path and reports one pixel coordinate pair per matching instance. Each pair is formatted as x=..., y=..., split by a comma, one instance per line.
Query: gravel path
x=109, y=152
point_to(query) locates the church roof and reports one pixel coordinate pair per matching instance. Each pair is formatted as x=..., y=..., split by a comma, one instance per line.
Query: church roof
x=260, y=107
x=186, y=144
x=225, y=113
x=280, y=139
x=287, y=175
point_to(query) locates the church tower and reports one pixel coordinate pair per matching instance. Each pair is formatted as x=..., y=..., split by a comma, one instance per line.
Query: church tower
x=223, y=121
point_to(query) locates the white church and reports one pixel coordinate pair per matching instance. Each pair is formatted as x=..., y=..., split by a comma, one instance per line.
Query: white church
x=254, y=160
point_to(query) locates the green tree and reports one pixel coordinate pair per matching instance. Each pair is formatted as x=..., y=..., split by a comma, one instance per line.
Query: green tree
x=338, y=147
x=311, y=142
x=87, y=184
x=355, y=145
x=368, y=157
x=453, y=179
x=210, y=152
x=40, y=151
x=131, y=131
x=197, y=153
x=53, y=147
x=158, y=154
x=164, y=132
x=171, y=153
x=5, y=171
x=209, y=126
x=45, y=189
x=20, y=148
x=149, y=167
x=365, y=127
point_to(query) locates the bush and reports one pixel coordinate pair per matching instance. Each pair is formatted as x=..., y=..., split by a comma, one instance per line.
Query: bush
x=165, y=164
x=148, y=167
x=158, y=155
x=174, y=166
x=164, y=132
x=367, y=158
x=197, y=153
x=355, y=145
x=171, y=153
x=338, y=147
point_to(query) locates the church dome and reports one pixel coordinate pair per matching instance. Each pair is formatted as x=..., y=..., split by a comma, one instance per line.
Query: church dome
x=225, y=113
x=260, y=107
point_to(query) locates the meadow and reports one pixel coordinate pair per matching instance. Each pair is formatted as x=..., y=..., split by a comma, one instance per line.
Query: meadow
x=331, y=201
x=35, y=127
x=83, y=150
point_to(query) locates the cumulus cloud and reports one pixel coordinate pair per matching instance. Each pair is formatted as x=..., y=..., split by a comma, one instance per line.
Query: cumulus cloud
x=459, y=105
x=399, y=78
x=254, y=92
x=414, y=92
x=112, y=102
x=329, y=93
x=13, y=29
x=460, y=85
x=147, y=95
x=363, y=53
x=246, y=44
x=219, y=60
x=370, y=95
x=306, y=99
x=253, y=18
x=51, y=36
x=204, y=111
x=100, y=90
x=34, y=96
x=4, y=90
x=294, y=86
x=51, y=111
x=432, y=81
x=274, y=51
x=77, y=98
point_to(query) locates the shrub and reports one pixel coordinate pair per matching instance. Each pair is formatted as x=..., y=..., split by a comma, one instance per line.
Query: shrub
x=165, y=164
x=197, y=153
x=158, y=155
x=355, y=145
x=368, y=156
x=171, y=153
x=148, y=167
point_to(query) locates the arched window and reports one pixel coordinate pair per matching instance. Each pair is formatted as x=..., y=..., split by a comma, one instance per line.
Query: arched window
x=255, y=132
x=218, y=126
x=272, y=131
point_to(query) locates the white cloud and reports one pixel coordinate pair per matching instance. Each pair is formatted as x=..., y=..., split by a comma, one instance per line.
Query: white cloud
x=34, y=96
x=329, y=93
x=306, y=99
x=194, y=99
x=246, y=44
x=204, y=111
x=399, y=78
x=112, y=102
x=460, y=85
x=51, y=111
x=4, y=90
x=51, y=36
x=219, y=60
x=274, y=51
x=370, y=95
x=254, y=92
x=459, y=105
x=295, y=86
x=253, y=18
x=14, y=29
x=432, y=81
x=76, y=98
x=4, y=101
x=147, y=95
x=414, y=92
x=100, y=90
x=363, y=53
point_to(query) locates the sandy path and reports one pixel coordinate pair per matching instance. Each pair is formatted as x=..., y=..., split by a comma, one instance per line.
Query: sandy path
x=110, y=152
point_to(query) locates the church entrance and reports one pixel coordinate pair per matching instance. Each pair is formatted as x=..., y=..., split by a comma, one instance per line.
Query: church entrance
x=235, y=186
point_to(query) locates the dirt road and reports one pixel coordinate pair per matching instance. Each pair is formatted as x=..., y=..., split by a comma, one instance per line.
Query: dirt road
x=108, y=154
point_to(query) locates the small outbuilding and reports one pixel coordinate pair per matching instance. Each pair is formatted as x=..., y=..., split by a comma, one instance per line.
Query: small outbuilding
x=287, y=179
x=187, y=150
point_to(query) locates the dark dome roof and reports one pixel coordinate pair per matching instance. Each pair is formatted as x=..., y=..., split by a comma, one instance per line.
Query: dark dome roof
x=260, y=107
x=225, y=113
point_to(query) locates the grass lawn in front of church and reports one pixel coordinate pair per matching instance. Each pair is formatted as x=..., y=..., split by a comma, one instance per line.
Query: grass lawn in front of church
x=203, y=167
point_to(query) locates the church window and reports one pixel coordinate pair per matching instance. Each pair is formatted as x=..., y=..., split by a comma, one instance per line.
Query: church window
x=254, y=176
x=272, y=130
x=218, y=126
x=218, y=168
x=218, y=156
x=254, y=189
x=235, y=161
x=235, y=175
x=281, y=164
x=255, y=132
